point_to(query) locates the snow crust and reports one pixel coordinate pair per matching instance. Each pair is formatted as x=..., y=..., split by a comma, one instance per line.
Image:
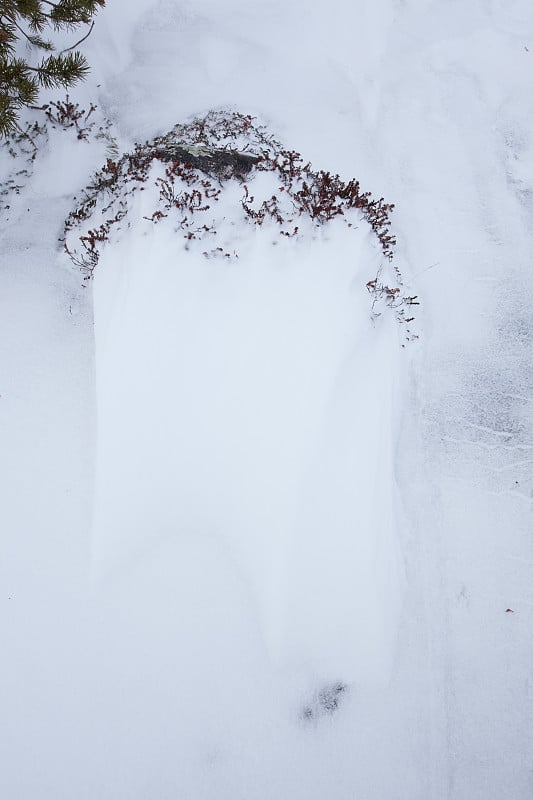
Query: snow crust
x=239, y=490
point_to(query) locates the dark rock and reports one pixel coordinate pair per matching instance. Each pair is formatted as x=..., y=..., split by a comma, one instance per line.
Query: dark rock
x=222, y=163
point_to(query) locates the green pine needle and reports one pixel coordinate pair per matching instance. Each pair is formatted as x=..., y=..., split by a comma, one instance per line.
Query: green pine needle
x=20, y=79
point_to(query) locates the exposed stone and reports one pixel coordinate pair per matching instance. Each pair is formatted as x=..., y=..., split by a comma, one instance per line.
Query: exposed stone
x=222, y=163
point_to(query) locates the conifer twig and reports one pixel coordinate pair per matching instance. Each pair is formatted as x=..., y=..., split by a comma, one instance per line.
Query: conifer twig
x=80, y=41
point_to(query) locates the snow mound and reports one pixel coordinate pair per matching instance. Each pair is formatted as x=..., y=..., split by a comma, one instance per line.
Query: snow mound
x=207, y=177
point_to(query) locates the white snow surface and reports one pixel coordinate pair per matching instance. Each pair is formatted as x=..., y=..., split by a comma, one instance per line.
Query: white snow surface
x=226, y=487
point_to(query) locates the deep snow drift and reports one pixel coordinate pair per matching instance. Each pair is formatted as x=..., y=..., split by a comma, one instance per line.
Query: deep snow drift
x=203, y=574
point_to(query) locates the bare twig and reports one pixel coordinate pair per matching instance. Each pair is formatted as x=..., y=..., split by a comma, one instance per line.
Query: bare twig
x=80, y=41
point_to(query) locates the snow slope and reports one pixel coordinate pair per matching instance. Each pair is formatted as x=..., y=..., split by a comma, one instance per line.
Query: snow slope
x=247, y=543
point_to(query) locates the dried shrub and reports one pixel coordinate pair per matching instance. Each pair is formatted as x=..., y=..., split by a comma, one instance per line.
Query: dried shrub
x=25, y=143
x=22, y=147
x=66, y=114
x=188, y=167
x=222, y=146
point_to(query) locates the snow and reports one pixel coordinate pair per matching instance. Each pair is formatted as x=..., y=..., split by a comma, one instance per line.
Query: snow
x=252, y=403
x=238, y=490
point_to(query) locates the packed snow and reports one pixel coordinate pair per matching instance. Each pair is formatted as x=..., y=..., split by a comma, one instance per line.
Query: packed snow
x=255, y=544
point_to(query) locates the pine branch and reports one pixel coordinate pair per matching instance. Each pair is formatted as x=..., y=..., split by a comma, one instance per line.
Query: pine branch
x=34, y=40
x=27, y=19
x=61, y=70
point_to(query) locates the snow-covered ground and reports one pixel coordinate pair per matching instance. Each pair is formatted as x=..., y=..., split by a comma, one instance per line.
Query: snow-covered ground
x=236, y=493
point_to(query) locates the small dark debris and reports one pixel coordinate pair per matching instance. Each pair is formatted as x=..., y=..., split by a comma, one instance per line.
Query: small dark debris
x=326, y=701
